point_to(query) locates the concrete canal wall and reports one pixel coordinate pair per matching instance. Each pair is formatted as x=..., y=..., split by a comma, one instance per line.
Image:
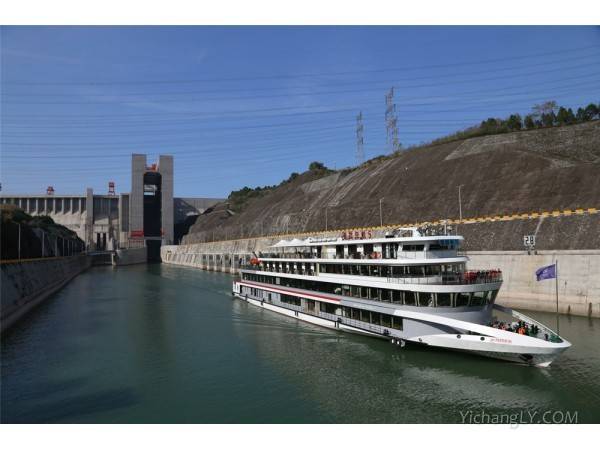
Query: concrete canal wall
x=128, y=256
x=27, y=283
x=579, y=272
x=578, y=279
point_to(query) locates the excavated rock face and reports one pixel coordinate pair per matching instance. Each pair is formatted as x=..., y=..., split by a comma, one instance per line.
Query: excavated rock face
x=539, y=170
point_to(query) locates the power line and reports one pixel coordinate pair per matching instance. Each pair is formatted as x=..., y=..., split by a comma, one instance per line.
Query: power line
x=286, y=95
x=306, y=75
x=120, y=123
x=287, y=87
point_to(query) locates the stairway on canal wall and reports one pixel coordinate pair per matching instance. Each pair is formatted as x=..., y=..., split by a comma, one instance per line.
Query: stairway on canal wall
x=26, y=283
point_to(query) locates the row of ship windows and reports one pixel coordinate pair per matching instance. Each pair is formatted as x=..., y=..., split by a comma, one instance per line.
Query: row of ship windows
x=410, y=298
x=366, y=270
x=312, y=307
x=390, y=271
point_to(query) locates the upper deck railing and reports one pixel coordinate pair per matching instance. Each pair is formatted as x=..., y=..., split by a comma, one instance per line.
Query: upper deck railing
x=432, y=254
x=450, y=278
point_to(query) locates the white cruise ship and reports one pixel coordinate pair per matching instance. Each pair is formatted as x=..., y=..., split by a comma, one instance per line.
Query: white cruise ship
x=407, y=287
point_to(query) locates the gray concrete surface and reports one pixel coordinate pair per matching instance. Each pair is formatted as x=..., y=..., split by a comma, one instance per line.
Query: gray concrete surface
x=26, y=284
x=128, y=256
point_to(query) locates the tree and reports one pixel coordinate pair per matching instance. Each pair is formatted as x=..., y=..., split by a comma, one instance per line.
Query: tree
x=548, y=107
x=293, y=176
x=562, y=117
x=548, y=119
x=529, y=122
x=316, y=166
x=565, y=116
x=592, y=111
x=514, y=122
x=490, y=125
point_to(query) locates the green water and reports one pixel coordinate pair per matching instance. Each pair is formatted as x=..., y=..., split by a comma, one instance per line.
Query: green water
x=167, y=344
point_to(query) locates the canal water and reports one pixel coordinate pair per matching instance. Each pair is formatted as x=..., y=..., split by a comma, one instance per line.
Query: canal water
x=159, y=343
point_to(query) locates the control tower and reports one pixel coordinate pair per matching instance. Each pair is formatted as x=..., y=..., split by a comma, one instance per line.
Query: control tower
x=151, y=202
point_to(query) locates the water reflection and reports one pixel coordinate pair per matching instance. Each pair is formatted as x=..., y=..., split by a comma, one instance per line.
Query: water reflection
x=359, y=379
x=167, y=344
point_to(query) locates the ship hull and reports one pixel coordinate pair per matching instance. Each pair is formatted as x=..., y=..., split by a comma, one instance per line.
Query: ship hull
x=507, y=346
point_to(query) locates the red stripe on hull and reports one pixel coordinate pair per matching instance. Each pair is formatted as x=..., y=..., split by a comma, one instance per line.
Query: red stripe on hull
x=284, y=291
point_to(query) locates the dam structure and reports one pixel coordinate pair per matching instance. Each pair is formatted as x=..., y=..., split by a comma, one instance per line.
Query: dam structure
x=145, y=217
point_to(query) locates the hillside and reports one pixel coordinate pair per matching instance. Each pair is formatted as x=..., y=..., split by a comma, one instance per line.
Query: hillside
x=544, y=169
x=33, y=230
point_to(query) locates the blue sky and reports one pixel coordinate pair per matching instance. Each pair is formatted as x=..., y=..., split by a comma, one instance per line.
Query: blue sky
x=243, y=106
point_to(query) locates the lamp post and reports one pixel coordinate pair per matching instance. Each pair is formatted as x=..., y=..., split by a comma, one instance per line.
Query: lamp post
x=459, y=207
x=326, y=209
x=19, y=251
x=380, y=212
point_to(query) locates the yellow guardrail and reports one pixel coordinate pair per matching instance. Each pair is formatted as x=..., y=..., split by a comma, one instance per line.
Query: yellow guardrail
x=22, y=260
x=470, y=220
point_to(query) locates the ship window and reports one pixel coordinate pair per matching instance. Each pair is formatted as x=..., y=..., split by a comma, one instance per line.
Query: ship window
x=493, y=296
x=363, y=292
x=364, y=270
x=355, y=314
x=410, y=298
x=383, y=271
x=462, y=299
x=479, y=298
x=396, y=323
x=375, y=318
x=365, y=316
x=444, y=299
x=346, y=290
x=386, y=320
x=373, y=294
x=397, y=296
x=355, y=291
x=412, y=248
x=432, y=270
x=425, y=299
x=397, y=271
x=385, y=295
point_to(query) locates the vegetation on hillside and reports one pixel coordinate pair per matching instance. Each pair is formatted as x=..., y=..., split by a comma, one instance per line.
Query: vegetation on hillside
x=544, y=115
x=239, y=199
x=31, y=228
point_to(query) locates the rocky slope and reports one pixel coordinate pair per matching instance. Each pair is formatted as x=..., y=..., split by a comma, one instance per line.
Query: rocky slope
x=539, y=170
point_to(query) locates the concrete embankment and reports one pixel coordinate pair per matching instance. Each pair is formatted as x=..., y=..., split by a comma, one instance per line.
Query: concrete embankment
x=578, y=279
x=128, y=256
x=27, y=283
x=579, y=272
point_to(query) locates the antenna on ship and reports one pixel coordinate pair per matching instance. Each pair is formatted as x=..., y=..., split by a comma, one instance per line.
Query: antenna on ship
x=391, y=122
x=360, y=151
